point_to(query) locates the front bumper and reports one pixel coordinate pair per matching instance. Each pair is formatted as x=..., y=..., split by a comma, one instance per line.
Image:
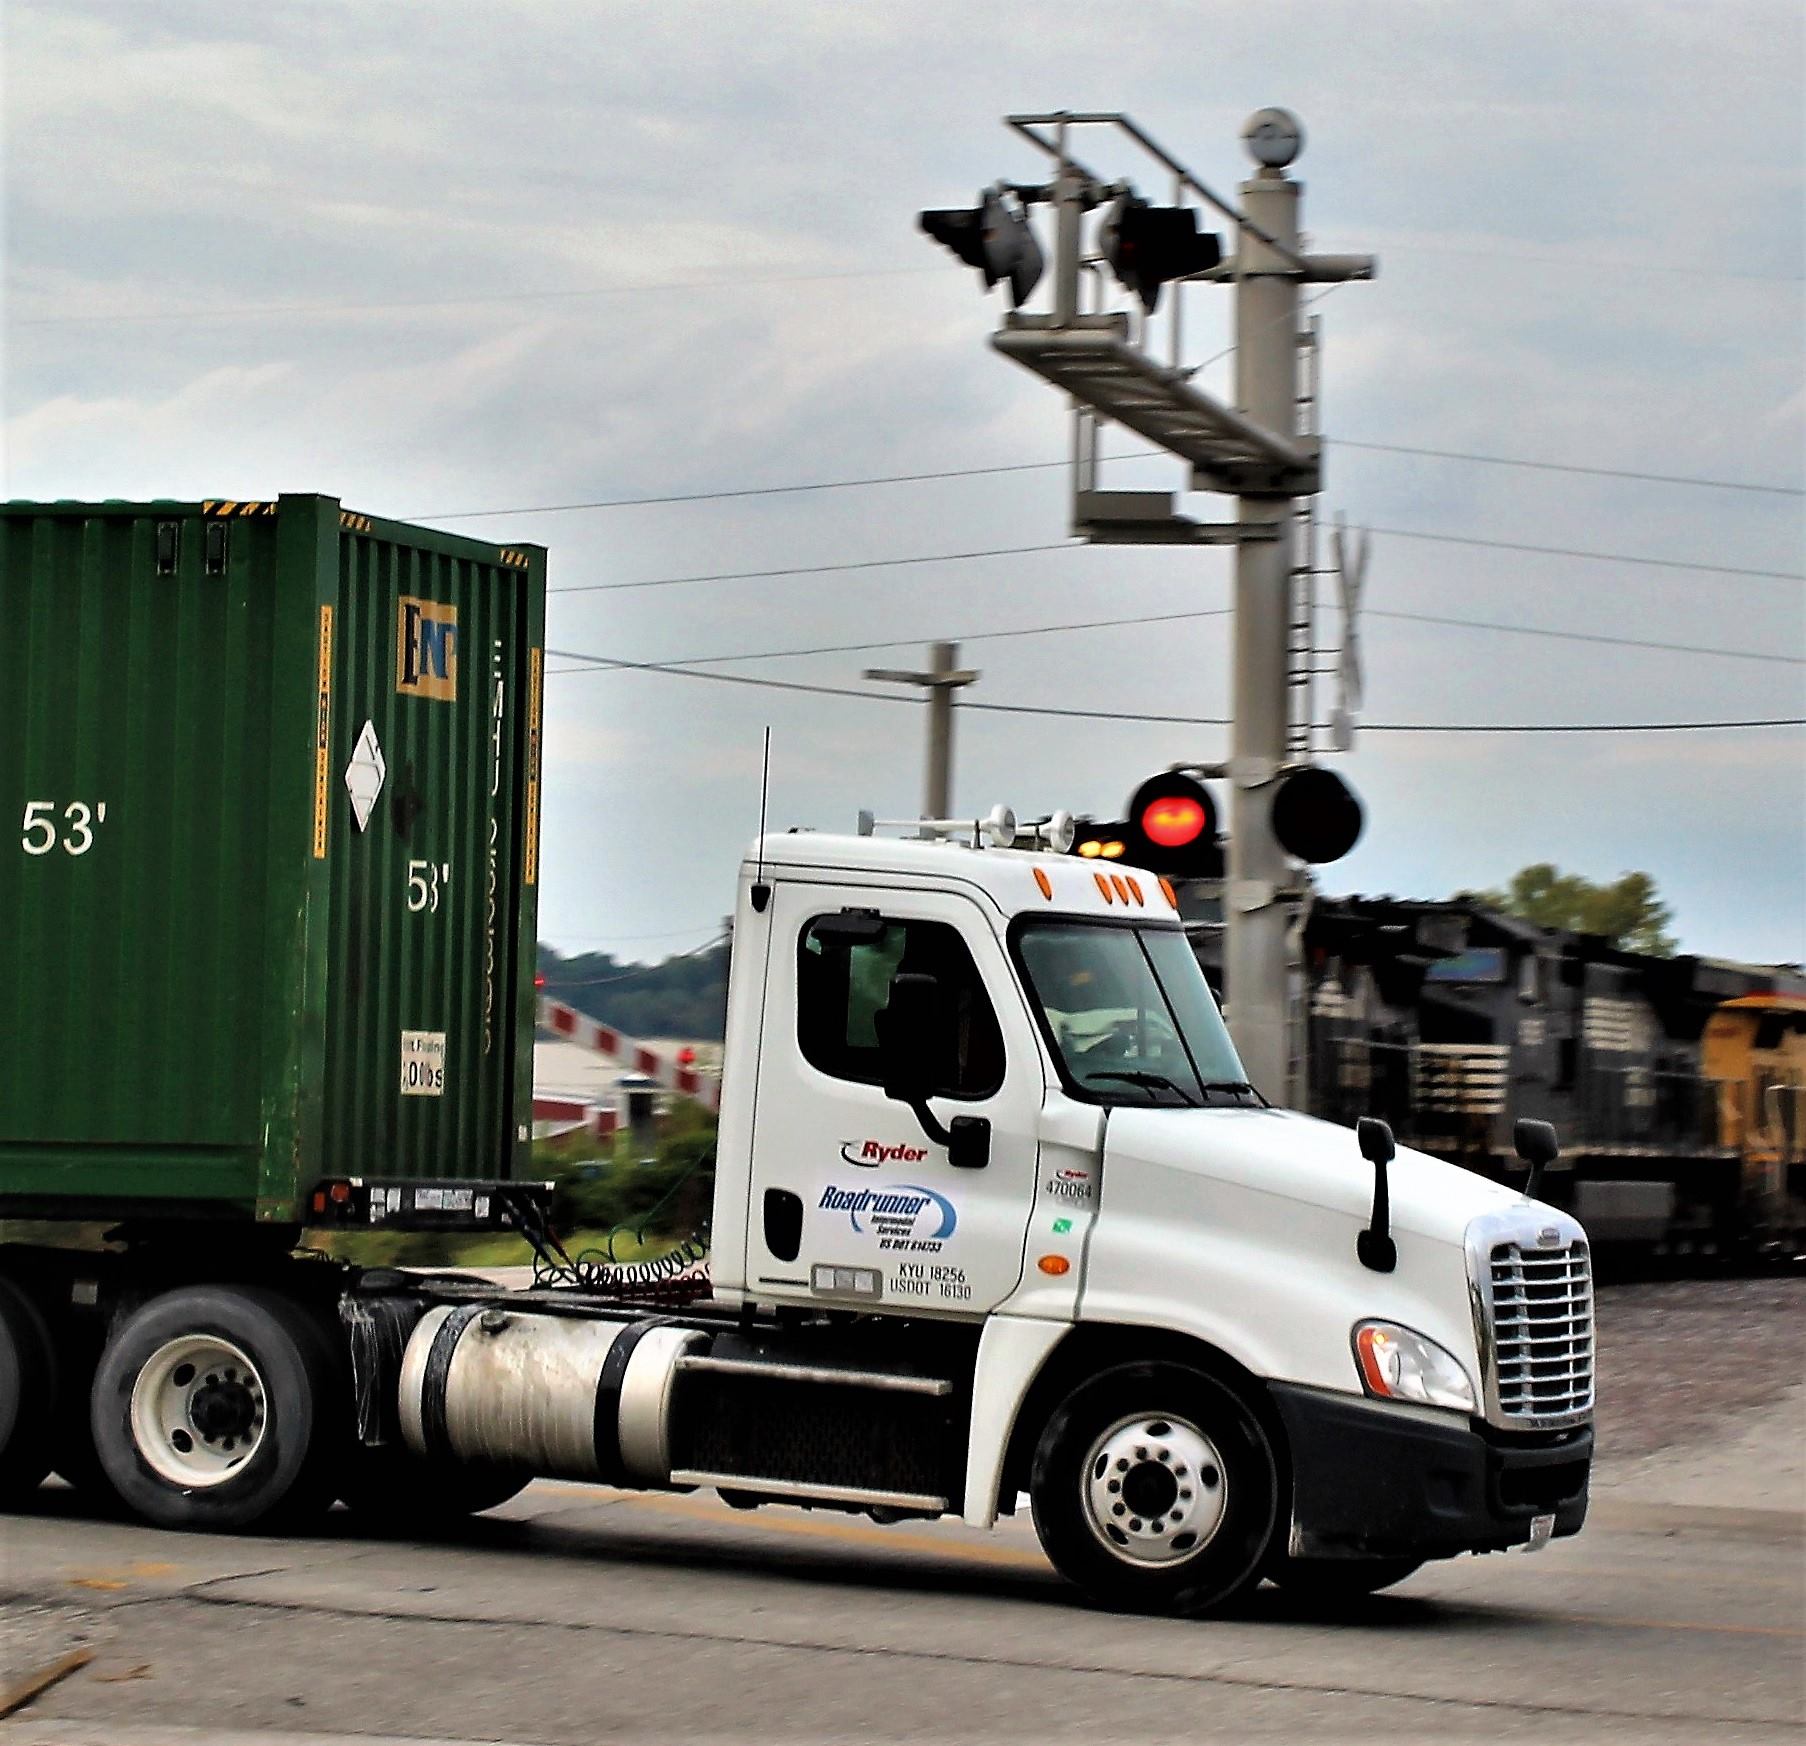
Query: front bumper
x=1369, y=1481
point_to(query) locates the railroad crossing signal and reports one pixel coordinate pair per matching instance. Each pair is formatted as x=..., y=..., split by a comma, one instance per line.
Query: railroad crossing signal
x=993, y=237
x=1148, y=245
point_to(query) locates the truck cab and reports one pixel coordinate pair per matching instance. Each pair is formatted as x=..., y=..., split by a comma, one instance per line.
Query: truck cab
x=986, y=1093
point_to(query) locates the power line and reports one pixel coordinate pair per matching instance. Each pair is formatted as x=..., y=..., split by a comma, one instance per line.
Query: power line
x=747, y=491
x=1403, y=533
x=816, y=569
x=1528, y=630
x=1037, y=630
x=1569, y=467
x=1047, y=466
x=1408, y=533
x=1051, y=710
x=1031, y=630
x=257, y=310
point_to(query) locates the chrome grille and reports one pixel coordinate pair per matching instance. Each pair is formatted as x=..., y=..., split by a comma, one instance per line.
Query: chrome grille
x=1542, y=1309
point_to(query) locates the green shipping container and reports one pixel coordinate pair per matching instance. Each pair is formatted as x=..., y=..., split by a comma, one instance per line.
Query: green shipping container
x=268, y=872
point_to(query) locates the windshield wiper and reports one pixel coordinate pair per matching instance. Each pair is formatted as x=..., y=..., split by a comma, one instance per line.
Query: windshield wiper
x=1152, y=1082
x=1237, y=1085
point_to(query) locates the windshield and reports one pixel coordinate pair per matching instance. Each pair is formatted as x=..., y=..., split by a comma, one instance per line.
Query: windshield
x=1129, y=1014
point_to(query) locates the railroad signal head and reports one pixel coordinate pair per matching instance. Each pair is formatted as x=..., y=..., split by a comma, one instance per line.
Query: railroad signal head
x=993, y=236
x=1173, y=828
x=1148, y=245
x=1316, y=816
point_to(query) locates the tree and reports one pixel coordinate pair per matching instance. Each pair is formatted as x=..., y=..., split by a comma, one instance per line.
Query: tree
x=1627, y=911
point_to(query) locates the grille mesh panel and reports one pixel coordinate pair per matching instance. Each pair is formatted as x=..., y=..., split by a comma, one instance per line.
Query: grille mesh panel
x=1542, y=1302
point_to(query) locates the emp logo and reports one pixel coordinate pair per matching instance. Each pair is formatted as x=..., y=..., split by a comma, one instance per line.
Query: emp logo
x=426, y=649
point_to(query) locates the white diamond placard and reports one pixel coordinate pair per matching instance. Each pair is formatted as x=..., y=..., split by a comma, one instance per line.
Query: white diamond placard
x=364, y=775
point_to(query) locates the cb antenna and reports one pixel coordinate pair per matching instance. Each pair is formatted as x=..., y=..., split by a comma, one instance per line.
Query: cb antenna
x=761, y=892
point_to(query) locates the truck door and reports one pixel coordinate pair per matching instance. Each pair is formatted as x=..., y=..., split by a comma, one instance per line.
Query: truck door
x=852, y=1203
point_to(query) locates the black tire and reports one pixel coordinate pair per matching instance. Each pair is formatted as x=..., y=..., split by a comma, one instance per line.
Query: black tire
x=1155, y=1437
x=288, y=1411
x=397, y=1489
x=28, y=1396
x=1331, y=1581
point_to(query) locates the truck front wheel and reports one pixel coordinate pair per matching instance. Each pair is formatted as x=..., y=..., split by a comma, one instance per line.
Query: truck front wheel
x=1154, y=1490
x=217, y=1407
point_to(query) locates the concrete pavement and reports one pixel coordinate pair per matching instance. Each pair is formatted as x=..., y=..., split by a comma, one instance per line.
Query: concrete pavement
x=577, y=1614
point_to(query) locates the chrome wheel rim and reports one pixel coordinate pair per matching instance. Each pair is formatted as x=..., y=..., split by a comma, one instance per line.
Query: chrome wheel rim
x=1154, y=1489
x=199, y=1410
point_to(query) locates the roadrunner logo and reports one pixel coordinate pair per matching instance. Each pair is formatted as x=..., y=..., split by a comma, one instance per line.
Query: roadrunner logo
x=906, y=1217
x=426, y=649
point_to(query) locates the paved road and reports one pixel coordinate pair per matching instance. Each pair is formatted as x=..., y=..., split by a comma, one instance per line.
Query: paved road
x=582, y=1615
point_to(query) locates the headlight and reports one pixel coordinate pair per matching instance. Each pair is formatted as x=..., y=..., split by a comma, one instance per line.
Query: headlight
x=1397, y=1364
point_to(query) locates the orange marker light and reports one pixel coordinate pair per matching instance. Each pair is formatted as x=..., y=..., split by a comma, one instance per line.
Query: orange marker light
x=1122, y=889
x=1103, y=885
x=1135, y=889
x=1166, y=885
x=1044, y=882
x=1054, y=1264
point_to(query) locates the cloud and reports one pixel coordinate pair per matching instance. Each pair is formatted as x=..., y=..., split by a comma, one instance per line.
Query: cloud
x=176, y=158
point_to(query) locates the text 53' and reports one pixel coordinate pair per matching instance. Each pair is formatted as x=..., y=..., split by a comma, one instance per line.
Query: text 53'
x=50, y=826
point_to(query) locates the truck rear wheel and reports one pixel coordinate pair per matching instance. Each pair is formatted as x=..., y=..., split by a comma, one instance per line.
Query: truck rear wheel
x=217, y=1407
x=28, y=1396
x=1154, y=1490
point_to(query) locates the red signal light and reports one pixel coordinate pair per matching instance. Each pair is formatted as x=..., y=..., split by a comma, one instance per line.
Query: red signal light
x=1173, y=828
x=686, y=1056
x=539, y=982
x=1174, y=820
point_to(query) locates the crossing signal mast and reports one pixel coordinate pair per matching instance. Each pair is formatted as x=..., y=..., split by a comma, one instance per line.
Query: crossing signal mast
x=1262, y=450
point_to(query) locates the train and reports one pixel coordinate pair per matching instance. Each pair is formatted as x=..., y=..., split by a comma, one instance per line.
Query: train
x=1677, y=1085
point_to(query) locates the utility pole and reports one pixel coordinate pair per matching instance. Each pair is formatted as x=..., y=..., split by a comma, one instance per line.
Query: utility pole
x=944, y=677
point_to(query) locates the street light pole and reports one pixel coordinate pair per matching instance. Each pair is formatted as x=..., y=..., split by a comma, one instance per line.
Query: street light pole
x=944, y=677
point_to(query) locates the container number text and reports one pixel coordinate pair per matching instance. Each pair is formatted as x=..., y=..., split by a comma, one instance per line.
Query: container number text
x=71, y=829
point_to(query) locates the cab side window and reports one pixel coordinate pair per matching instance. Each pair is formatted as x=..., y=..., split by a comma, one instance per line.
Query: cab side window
x=843, y=986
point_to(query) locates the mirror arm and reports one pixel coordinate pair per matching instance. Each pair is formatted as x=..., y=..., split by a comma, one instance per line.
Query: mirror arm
x=1374, y=1246
x=931, y=1123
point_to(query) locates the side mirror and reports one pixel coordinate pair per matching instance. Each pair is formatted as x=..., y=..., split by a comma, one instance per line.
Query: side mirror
x=1374, y=1245
x=911, y=1028
x=907, y=1029
x=1536, y=1144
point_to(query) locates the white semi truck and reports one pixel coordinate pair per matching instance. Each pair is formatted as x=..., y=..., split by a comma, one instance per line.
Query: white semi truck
x=996, y=1213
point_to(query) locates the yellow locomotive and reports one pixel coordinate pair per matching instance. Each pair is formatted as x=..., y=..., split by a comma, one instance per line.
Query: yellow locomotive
x=1754, y=1050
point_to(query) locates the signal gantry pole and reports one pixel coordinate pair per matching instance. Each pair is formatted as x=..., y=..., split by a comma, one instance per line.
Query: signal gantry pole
x=1257, y=451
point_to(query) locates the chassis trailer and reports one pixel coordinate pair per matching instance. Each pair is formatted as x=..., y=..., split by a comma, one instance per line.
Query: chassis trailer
x=995, y=1209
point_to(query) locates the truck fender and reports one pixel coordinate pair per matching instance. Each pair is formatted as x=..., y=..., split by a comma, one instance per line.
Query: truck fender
x=1011, y=1352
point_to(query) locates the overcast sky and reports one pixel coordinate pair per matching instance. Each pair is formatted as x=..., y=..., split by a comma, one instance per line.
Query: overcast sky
x=444, y=258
